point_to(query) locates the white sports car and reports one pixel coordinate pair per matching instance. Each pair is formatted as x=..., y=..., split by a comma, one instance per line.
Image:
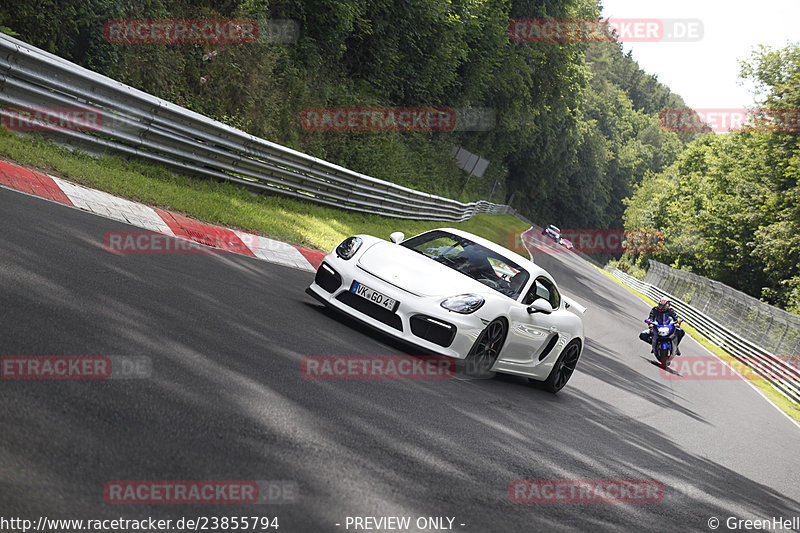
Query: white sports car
x=453, y=293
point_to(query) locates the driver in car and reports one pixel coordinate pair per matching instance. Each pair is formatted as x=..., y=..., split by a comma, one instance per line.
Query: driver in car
x=659, y=314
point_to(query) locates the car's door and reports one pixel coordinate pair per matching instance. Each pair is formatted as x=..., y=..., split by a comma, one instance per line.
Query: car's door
x=530, y=334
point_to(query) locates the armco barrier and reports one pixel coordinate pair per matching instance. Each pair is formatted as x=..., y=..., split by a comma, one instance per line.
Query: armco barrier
x=783, y=374
x=135, y=123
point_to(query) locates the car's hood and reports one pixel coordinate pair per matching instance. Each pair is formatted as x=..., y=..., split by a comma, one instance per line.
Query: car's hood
x=415, y=272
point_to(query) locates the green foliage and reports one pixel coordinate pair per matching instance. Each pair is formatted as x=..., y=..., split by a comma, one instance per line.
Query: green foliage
x=730, y=205
x=72, y=29
x=628, y=266
x=576, y=124
x=6, y=29
x=229, y=204
x=620, y=139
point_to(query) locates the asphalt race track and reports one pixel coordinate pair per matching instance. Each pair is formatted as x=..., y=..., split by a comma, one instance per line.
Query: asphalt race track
x=227, y=401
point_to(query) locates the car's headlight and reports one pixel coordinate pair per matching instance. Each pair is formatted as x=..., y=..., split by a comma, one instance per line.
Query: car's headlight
x=464, y=303
x=349, y=247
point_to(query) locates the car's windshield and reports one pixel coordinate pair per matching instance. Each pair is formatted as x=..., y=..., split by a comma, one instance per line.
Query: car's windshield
x=471, y=259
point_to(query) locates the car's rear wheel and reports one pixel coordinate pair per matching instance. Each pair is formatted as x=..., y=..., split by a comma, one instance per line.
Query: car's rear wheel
x=486, y=349
x=564, y=367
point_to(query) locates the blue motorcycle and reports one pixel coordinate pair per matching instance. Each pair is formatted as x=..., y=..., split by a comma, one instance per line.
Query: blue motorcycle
x=666, y=333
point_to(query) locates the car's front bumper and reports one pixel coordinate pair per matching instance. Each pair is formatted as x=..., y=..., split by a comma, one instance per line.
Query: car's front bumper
x=417, y=320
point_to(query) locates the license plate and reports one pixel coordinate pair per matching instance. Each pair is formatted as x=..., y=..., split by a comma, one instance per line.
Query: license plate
x=373, y=296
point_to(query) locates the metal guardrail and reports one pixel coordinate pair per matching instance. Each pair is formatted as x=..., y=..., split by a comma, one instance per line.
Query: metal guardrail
x=762, y=324
x=782, y=373
x=135, y=123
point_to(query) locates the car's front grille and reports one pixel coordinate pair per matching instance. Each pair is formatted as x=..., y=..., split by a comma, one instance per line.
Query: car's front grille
x=328, y=278
x=371, y=309
x=433, y=330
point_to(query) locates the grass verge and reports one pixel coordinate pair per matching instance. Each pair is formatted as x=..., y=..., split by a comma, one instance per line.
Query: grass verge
x=785, y=405
x=227, y=204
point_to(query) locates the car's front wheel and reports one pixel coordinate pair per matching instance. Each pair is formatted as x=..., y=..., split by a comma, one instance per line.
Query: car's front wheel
x=564, y=367
x=486, y=349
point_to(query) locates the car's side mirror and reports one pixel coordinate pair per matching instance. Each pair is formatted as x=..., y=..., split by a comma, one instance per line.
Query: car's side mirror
x=540, y=306
x=397, y=237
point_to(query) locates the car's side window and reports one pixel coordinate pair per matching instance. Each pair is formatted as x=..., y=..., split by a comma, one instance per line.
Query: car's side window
x=553, y=296
x=533, y=293
x=543, y=288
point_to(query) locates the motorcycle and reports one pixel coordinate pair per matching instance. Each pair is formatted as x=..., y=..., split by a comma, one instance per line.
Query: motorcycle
x=666, y=333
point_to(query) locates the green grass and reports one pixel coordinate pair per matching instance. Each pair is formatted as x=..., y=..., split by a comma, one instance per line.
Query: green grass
x=225, y=203
x=785, y=405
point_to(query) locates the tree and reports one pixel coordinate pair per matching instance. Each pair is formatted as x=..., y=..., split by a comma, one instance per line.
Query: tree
x=730, y=205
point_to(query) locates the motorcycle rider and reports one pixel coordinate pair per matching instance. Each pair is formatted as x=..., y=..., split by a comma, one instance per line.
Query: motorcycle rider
x=659, y=314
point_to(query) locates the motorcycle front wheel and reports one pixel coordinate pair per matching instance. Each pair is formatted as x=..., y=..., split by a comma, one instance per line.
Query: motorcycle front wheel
x=663, y=357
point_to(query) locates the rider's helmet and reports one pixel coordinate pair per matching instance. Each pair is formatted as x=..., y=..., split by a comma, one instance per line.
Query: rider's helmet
x=664, y=304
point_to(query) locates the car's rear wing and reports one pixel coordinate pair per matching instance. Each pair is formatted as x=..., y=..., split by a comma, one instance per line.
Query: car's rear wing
x=573, y=306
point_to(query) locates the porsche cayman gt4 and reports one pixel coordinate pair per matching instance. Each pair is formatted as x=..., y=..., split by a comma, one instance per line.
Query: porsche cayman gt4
x=452, y=293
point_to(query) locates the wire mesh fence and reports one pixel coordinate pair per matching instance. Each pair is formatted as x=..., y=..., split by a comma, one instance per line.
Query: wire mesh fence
x=775, y=330
x=782, y=373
